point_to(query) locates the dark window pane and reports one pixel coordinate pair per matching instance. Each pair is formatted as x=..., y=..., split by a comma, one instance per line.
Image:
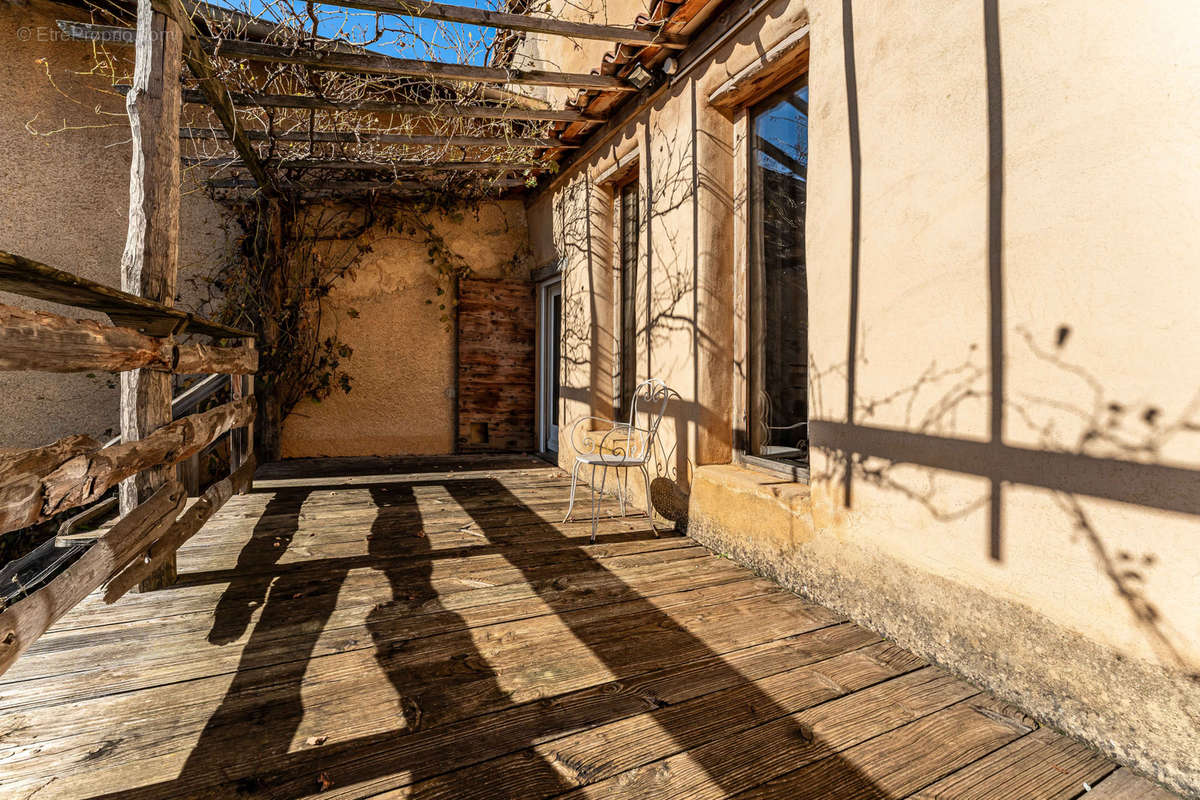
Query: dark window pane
x=779, y=168
x=556, y=343
x=627, y=337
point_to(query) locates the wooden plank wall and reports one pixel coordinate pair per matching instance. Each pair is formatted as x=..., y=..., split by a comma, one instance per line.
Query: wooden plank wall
x=495, y=365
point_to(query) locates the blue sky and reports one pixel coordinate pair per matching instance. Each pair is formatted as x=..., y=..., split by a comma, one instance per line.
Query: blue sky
x=785, y=126
x=399, y=39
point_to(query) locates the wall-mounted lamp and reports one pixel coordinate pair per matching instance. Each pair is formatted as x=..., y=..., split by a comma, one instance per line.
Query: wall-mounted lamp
x=639, y=76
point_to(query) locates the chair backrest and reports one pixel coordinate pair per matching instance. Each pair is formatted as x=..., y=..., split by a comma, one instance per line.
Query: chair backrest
x=651, y=397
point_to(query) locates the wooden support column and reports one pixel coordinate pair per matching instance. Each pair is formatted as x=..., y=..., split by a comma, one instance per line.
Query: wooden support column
x=150, y=264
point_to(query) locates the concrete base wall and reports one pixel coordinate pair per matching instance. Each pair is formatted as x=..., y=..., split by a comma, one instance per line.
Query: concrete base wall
x=1133, y=710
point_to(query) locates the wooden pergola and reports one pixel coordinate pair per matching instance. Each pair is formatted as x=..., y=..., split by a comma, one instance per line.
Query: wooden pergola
x=630, y=72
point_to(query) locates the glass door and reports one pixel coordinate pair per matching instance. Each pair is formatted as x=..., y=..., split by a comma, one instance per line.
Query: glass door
x=550, y=345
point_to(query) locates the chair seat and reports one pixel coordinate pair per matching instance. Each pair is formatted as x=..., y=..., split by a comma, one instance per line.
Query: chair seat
x=611, y=460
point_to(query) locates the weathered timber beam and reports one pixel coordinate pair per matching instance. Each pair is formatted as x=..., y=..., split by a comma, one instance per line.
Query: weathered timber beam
x=22, y=623
x=184, y=528
x=415, y=187
x=30, y=278
x=474, y=111
x=379, y=166
x=196, y=57
x=347, y=137
x=45, y=342
x=38, y=340
x=203, y=359
x=369, y=63
x=515, y=22
x=84, y=478
x=21, y=477
x=34, y=488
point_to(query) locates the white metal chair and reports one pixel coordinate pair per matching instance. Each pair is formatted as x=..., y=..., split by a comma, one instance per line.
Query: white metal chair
x=619, y=445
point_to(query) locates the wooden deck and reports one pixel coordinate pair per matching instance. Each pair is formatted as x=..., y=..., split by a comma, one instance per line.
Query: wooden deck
x=428, y=629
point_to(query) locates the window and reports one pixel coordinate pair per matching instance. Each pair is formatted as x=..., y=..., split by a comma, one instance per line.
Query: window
x=778, y=286
x=629, y=224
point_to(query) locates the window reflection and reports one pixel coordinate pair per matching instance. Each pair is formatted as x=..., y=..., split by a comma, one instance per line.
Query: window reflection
x=779, y=325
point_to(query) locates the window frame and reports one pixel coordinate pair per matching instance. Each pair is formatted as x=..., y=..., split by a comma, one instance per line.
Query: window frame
x=754, y=279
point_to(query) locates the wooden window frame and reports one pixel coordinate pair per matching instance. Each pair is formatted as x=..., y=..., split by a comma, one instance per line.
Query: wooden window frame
x=781, y=69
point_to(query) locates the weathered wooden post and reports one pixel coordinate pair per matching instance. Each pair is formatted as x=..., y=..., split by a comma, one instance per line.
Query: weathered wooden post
x=150, y=264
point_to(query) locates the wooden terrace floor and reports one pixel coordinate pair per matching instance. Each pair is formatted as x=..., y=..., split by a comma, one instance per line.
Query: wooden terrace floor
x=428, y=629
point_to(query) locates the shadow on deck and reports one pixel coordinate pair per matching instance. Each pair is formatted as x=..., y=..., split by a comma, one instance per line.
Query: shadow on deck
x=428, y=629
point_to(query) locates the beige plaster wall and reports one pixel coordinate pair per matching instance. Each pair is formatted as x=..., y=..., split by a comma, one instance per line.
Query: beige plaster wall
x=64, y=170
x=1057, y=559
x=403, y=362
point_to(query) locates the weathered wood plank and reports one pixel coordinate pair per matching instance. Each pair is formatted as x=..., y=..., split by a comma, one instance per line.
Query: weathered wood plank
x=669, y=725
x=150, y=263
x=747, y=759
x=22, y=493
x=85, y=477
x=899, y=761
x=202, y=359
x=352, y=137
x=1125, y=784
x=38, y=340
x=532, y=652
x=446, y=111
x=1042, y=764
x=31, y=278
x=183, y=529
x=22, y=623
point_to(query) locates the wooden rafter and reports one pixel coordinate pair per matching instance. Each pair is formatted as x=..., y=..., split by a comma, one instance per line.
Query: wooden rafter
x=377, y=166
x=475, y=111
x=366, y=63
x=516, y=22
x=359, y=186
x=350, y=137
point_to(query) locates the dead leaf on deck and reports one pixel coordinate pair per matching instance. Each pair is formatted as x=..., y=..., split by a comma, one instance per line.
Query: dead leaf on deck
x=323, y=782
x=313, y=741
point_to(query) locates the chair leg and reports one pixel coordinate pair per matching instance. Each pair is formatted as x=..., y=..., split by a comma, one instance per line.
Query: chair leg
x=624, y=490
x=596, y=508
x=649, y=503
x=574, y=481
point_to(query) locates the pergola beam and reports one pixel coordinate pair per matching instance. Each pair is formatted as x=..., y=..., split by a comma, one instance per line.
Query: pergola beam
x=477, y=111
x=377, y=166
x=348, y=137
x=515, y=22
x=472, y=111
x=366, y=63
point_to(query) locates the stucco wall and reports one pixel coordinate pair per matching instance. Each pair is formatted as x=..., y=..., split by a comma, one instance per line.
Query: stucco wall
x=65, y=176
x=1039, y=535
x=403, y=362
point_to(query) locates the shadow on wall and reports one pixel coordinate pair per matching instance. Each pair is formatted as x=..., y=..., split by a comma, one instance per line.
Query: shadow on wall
x=1115, y=455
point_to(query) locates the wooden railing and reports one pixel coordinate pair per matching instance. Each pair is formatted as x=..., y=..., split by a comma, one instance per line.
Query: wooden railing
x=38, y=484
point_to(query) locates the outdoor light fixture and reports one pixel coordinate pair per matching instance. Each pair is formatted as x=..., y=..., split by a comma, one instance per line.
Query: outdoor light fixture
x=639, y=76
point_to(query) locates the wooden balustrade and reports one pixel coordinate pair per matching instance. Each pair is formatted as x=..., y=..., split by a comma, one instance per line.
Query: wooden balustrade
x=37, y=484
